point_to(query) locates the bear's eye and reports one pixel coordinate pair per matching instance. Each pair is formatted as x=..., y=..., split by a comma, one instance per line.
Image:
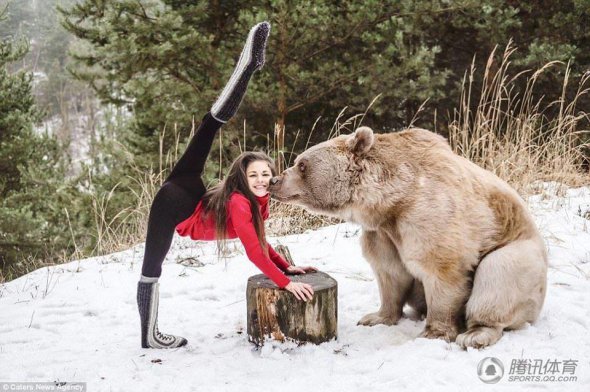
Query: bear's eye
x=301, y=167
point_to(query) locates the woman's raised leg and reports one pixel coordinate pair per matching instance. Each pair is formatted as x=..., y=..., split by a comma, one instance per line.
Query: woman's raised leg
x=183, y=188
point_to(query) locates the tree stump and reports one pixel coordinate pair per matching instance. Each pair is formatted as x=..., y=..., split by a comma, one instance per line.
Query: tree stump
x=278, y=314
x=284, y=251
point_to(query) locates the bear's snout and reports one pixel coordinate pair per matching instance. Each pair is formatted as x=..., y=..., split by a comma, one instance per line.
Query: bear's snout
x=282, y=188
x=275, y=184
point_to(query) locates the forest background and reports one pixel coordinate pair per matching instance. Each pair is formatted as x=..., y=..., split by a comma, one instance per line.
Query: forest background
x=99, y=97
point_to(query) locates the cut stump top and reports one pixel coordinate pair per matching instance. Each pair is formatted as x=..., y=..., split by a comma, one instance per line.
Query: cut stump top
x=318, y=280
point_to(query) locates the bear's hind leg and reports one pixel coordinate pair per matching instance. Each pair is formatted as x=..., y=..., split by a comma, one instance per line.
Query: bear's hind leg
x=392, y=277
x=446, y=295
x=508, y=291
x=417, y=301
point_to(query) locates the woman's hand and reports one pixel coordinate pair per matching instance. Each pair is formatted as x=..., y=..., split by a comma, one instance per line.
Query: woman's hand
x=301, y=291
x=293, y=270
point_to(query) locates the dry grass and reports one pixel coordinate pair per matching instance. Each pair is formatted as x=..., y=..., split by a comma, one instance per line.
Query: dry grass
x=128, y=226
x=288, y=219
x=510, y=133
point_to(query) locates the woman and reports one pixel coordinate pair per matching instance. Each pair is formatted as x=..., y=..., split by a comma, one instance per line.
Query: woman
x=236, y=208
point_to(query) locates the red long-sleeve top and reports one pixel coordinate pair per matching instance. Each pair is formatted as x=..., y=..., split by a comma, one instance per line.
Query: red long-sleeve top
x=239, y=225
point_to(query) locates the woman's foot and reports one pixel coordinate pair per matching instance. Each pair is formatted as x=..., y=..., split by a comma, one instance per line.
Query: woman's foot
x=251, y=60
x=147, y=302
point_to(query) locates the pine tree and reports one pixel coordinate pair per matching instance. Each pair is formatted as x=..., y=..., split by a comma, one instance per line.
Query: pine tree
x=162, y=59
x=33, y=192
x=17, y=114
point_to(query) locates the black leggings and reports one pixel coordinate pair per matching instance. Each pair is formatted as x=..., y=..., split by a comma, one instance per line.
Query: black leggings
x=178, y=197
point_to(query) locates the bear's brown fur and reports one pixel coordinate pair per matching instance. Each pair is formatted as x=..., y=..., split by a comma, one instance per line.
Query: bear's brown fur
x=441, y=234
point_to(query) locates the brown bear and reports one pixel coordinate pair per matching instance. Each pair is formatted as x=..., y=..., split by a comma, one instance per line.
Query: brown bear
x=441, y=234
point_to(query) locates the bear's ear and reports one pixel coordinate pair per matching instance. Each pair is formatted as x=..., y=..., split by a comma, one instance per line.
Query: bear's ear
x=361, y=141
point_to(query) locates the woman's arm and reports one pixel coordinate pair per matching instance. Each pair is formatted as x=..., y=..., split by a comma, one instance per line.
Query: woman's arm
x=241, y=217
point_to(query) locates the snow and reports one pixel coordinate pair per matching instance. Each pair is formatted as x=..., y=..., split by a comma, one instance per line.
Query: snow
x=78, y=322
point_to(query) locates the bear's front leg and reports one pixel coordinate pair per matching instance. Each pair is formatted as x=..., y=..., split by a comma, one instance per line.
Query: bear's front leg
x=392, y=277
x=446, y=295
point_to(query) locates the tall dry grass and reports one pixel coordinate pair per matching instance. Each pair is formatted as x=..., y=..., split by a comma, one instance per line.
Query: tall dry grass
x=517, y=136
x=127, y=227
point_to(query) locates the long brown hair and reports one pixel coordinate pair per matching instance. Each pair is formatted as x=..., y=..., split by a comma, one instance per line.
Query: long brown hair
x=215, y=199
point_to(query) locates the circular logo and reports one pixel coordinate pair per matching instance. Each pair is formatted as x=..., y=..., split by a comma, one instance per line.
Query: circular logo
x=490, y=370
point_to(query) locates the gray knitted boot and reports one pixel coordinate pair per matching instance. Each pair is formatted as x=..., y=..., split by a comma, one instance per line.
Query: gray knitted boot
x=147, y=302
x=251, y=60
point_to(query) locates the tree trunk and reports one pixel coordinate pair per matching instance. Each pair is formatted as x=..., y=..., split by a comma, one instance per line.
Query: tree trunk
x=278, y=314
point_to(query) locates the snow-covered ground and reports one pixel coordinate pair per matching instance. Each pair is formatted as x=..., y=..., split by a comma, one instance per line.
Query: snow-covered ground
x=78, y=322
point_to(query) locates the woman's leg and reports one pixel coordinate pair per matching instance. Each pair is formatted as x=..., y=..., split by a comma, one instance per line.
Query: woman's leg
x=172, y=204
x=190, y=166
x=182, y=190
x=177, y=198
x=188, y=170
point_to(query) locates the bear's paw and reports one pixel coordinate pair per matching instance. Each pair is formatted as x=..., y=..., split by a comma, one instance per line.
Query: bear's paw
x=448, y=333
x=479, y=337
x=377, y=318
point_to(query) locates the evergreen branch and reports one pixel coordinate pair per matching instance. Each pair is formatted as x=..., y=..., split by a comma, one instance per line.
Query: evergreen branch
x=324, y=92
x=381, y=19
x=145, y=15
x=23, y=244
x=178, y=75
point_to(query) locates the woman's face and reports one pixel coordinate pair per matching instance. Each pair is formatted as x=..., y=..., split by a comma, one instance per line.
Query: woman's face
x=259, y=175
